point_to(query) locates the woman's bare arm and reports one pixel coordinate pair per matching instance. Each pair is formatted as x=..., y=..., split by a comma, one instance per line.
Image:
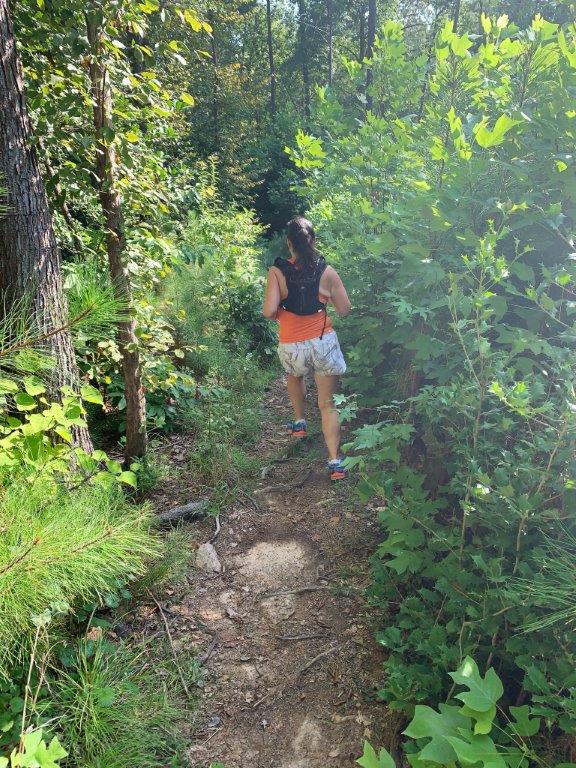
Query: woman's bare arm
x=338, y=295
x=271, y=296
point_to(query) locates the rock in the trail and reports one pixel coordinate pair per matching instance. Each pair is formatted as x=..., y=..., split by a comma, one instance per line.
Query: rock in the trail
x=207, y=559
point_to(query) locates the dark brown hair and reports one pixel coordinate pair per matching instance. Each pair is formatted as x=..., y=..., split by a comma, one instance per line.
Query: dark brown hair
x=302, y=237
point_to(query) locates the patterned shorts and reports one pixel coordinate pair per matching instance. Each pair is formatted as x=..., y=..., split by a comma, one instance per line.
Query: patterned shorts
x=322, y=356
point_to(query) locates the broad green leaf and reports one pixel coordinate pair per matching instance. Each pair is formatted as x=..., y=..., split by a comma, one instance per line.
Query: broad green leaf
x=132, y=136
x=370, y=759
x=7, y=386
x=91, y=395
x=24, y=402
x=523, y=724
x=128, y=478
x=487, y=138
x=460, y=45
x=33, y=386
x=484, y=692
x=437, y=726
x=187, y=98
x=483, y=721
x=479, y=749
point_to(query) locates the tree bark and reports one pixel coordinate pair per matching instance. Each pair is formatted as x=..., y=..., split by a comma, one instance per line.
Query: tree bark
x=105, y=168
x=457, y=5
x=362, y=34
x=30, y=257
x=216, y=86
x=303, y=34
x=370, y=50
x=271, y=60
x=330, y=32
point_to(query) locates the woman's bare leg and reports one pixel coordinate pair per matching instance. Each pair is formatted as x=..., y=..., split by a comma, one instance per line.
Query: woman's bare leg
x=297, y=392
x=327, y=388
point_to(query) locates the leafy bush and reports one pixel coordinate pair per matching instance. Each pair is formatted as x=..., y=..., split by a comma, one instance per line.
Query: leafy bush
x=470, y=729
x=449, y=210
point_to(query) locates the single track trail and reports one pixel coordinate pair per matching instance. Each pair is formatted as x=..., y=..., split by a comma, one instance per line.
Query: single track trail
x=291, y=662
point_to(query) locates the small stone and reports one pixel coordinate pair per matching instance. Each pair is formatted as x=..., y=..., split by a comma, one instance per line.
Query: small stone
x=334, y=753
x=207, y=559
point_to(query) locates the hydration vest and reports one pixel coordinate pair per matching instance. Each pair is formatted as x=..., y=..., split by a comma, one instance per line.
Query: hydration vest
x=303, y=288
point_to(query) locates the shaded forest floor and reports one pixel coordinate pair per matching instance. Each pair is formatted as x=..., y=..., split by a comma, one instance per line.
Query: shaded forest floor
x=291, y=663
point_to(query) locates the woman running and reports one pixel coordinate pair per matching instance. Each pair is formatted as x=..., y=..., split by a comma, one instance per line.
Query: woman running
x=297, y=292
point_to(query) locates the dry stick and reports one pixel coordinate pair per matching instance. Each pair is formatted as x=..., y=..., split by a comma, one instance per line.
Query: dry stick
x=206, y=655
x=295, y=638
x=169, y=635
x=299, y=591
x=286, y=486
x=250, y=499
x=217, y=532
x=317, y=658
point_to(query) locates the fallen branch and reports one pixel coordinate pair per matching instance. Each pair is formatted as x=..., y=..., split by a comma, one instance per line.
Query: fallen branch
x=169, y=635
x=250, y=499
x=206, y=655
x=185, y=512
x=285, y=486
x=317, y=658
x=217, y=531
x=298, y=591
x=296, y=638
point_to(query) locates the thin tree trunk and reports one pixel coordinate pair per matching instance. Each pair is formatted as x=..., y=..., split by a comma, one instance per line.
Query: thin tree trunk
x=303, y=33
x=330, y=40
x=271, y=60
x=216, y=86
x=105, y=167
x=370, y=50
x=29, y=253
x=457, y=4
x=362, y=34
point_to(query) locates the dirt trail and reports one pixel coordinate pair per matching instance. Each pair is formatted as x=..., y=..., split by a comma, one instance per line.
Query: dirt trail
x=293, y=667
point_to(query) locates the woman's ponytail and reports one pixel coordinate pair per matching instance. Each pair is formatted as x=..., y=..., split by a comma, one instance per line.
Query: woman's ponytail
x=300, y=233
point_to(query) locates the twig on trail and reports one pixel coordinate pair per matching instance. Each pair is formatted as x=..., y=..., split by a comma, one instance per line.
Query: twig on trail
x=298, y=591
x=295, y=638
x=169, y=635
x=317, y=658
x=206, y=655
x=285, y=486
x=186, y=511
x=267, y=695
x=250, y=499
x=217, y=532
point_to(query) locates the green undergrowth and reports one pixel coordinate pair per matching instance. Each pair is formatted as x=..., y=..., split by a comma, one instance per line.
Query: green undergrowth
x=449, y=210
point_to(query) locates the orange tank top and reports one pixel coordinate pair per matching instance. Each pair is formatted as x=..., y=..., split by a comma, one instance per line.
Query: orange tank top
x=295, y=328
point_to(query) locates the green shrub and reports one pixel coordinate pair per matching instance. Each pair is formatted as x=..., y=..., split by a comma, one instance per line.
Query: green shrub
x=59, y=547
x=451, y=226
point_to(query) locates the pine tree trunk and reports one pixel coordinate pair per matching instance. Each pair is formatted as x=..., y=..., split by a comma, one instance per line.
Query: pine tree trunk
x=105, y=167
x=303, y=34
x=370, y=50
x=29, y=253
x=271, y=60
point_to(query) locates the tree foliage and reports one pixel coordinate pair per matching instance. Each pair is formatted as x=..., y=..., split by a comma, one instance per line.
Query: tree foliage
x=450, y=211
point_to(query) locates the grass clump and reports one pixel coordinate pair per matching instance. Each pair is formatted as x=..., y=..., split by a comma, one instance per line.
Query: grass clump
x=62, y=548
x=115, y=710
